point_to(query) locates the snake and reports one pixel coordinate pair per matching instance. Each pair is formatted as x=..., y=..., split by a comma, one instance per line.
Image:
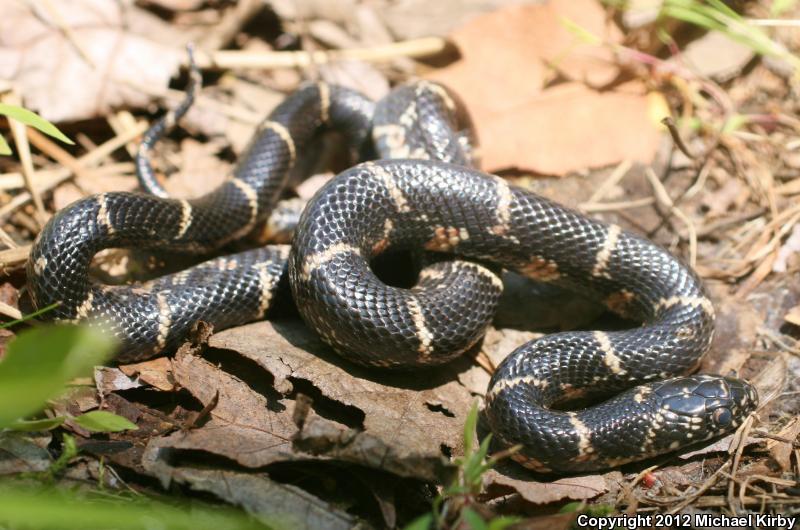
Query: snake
x=424, y=195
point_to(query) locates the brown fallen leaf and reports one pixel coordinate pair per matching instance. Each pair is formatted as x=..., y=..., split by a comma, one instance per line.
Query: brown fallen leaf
x=125, y=448
x=509, y=476
x=720, y=446
x=570, y=127
x=554, y=130
x=716, y=55
x=404, y=20
x=244, y=426
x=200, y=170
x=280, y=506
x=357, y=75
x=326, y=438
x=109, y=379
x=424, y=412
x=782, y=451
x=75, y=59
x=155, y=372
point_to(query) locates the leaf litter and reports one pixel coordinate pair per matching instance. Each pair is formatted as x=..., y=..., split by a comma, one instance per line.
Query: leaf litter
x=267, y=417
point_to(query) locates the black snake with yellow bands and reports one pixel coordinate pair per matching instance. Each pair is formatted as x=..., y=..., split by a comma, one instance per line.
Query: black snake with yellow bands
x=440, y=205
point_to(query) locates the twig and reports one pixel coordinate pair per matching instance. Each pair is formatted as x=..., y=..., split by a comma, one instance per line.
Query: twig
x=774, y=22
x=615, y=206
x=55, y=152
x=707, y=485
x=7, y=240
x=9, y=311
x=613, y=179
x=776, y=338
x=231, y=23
x=13, y=257
x=737, y=447
x=663, y=197
x=65, y=28
x=89, y=159
x=19, y=130
x=14, y=180
x=669, y=123
x=764, y=434
x=225, y=59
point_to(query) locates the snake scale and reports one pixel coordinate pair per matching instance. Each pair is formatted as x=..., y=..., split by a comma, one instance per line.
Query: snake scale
x=424, y=195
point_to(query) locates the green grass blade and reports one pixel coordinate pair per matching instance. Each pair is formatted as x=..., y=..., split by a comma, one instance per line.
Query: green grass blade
x=29, y=316
x=49, y=508
x=579, y=31
x=34, y=120
x=469, y=428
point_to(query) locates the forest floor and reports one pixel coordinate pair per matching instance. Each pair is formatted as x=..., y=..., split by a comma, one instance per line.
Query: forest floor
x=567, y=98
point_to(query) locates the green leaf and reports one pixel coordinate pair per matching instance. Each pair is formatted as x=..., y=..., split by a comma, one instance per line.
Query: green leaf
x=502, y=522
x=46, y=508
x=473, y=520
x=40, y=362
x=475, y=466
x=104, y=421
x=571, y=507
x=5, y=149
x=34, y=120
x=37, y=425
x=423, y=522
x=469, y=427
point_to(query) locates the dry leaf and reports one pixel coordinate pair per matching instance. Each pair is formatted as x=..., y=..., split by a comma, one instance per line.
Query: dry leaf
x=357, y=75
x=200, y=170
x=244, y=426
x=415, y=414
x=280, y=506
x=568, y=128
x=155, y=372
x=97, y=65
x=22, y=452
x=782, y=451
x=508, y=475
x=405, y=21
x=716, y=55
x=559, y=129
x=109, y=379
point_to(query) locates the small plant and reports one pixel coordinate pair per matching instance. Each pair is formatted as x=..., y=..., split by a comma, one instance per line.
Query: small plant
x=455, y=506
x=716, y=16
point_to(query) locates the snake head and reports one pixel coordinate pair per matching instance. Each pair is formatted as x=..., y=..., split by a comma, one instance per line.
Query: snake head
x=706, y=406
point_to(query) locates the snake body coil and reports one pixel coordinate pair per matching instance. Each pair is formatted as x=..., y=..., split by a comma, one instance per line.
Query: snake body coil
x=226, y=291
x=440, y=205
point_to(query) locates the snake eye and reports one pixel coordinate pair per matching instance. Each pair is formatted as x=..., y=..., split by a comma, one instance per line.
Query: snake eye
x=722, y=417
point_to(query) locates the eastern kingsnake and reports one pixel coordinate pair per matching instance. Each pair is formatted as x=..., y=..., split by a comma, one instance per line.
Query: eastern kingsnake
x=440, y=205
